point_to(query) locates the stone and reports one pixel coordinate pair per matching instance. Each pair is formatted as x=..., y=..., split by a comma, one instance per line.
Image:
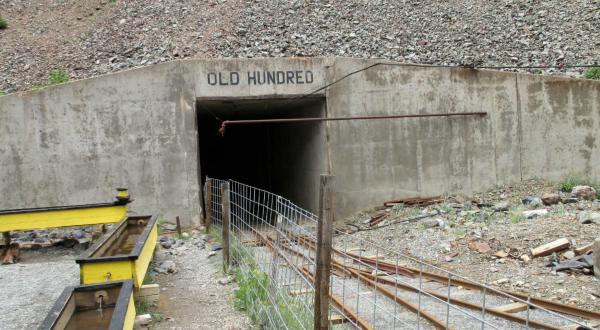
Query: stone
x=501, y=254
x=536, y=203
x=169, y=266
x=186, y=235
x=502, y=206
x=584, y=218
x=82, y=245
x=77, y=234
x=503, y=280
x=163, y=238
x=527, y=199
x=550, y=198
x=595, y=217
x=143, y=320
x=525, y=258
x=166, y=245
x=448, y=258
x=569, y=255
x=211, y=254
x=207, y=238
x=534, y=213
x=217, y=246
x=597, y=257
x=430, y=223
x=480, y=247
x=584, y=192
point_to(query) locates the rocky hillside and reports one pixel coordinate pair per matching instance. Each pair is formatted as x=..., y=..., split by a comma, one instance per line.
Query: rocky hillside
x=92, y=37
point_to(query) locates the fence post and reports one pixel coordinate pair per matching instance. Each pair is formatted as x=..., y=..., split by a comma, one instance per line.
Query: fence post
x=225, y=208
x=208, y=204
x=323, y=255
x=275, y=259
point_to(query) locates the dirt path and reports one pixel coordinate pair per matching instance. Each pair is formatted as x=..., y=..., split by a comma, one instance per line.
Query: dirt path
x=192, y=297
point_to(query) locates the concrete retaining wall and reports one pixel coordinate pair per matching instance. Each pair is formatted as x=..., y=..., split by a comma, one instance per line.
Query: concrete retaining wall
x=74, y=143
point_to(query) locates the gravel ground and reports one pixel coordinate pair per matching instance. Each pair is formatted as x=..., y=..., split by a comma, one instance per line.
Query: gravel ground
x=192, y=297
x=31, y=286
x=496, y=229
x=89, y=38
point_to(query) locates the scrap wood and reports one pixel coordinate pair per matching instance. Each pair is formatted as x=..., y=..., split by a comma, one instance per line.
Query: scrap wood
x=583, y=249
x=373, y=223
x=547, y=249
x=419, y=201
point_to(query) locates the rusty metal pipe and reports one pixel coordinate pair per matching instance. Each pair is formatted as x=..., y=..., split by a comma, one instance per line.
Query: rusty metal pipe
x=259, y=121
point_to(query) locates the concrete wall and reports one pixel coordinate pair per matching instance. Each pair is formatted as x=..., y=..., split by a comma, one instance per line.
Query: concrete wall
x=299, y=156
x=537, y=126
x=74, y=143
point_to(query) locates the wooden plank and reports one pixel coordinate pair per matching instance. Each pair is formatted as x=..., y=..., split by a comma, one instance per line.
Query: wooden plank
x=583, y=249
x=576, y=326
x=225, y=215
x=323, y=253
x=147, y=292
x=299, y=292
x=338, y=319
x=547, y=249
x=207, y=221
x=512, y=308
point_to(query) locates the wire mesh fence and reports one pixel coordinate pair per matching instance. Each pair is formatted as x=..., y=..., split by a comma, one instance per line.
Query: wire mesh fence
x=273, y=247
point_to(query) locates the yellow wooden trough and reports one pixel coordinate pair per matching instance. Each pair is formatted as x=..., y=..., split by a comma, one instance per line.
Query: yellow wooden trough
x=62, y=216
x=122, y=253
x=107, y=305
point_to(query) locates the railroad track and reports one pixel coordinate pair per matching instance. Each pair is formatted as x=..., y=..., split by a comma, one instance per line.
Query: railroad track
x=369, y=293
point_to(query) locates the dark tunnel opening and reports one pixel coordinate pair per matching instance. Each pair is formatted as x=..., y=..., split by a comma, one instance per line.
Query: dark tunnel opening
x=284, y=158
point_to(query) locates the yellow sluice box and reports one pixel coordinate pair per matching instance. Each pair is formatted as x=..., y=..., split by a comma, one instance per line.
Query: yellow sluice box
x=63, y=216
x=107, y=305
x=122, y=253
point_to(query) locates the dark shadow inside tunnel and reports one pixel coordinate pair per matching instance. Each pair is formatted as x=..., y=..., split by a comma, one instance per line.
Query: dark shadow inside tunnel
x=284, y=158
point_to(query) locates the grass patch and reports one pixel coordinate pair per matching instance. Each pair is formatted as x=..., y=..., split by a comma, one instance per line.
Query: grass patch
x=571, y=180
x=216, y=234
x=149, y=277
x=57, y=76
x=592, y=73
x=287, y=312
x=143, y=307
x=413, y=212
x=445, y=207
x=3, y=23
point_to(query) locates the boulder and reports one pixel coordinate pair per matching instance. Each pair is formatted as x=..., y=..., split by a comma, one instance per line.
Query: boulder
x=536, y=203
x=502, y=206
x=550, y=198
x=584, y=218
x=584, y=192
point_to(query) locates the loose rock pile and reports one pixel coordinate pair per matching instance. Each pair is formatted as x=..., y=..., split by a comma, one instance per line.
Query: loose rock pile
x=92, y=38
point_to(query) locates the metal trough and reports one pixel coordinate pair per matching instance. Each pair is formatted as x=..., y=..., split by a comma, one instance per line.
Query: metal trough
x=78, y=307
x=122, y=253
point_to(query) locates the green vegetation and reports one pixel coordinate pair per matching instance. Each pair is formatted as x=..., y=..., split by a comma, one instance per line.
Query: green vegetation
x=515, y=214
x=571, y=180
x=592, y=73
x=3, y=23
x=597, y=187
x=2, y=92
x=253, y=297
x=57, y=76
x=413, y=212
x=149, y=277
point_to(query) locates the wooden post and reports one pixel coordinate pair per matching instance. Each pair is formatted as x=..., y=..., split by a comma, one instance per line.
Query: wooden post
x=225, y=209
x=323, y=254
x=597, y=257
x=275, y=259
x=178, y=225
x=208, y=204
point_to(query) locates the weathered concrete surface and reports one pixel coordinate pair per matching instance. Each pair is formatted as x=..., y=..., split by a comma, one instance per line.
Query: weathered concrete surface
x=74, y=143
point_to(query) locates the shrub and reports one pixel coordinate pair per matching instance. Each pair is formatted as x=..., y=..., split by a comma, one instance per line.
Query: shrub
x=592, y=73
x=571, y=180
x=3, y=23
x=57, y=76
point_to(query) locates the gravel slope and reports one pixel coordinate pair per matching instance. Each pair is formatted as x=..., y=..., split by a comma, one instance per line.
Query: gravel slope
x=96, y=37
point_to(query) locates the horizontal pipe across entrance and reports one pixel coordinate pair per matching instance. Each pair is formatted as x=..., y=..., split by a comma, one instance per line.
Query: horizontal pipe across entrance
x=257, y=121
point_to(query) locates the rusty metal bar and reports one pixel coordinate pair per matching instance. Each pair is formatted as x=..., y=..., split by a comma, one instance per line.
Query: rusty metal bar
x=259, y=121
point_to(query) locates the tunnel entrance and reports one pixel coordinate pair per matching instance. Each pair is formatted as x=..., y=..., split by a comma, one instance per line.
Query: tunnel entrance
x=284, y=158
